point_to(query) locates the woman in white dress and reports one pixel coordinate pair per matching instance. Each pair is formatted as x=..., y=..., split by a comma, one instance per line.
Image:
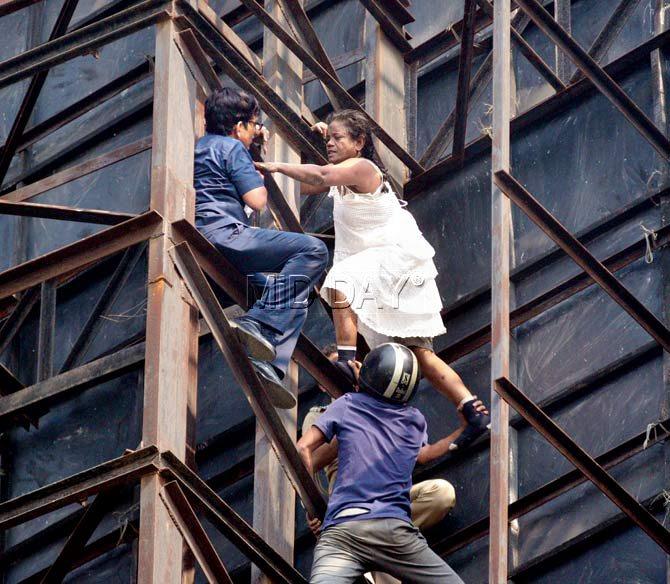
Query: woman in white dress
x=382, y=283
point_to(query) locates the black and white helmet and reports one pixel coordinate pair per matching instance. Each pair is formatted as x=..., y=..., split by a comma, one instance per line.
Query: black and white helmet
x=390, y=371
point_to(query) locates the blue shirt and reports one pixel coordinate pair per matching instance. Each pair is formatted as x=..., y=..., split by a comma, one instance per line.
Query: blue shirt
x=378, y=443
x=223, y=173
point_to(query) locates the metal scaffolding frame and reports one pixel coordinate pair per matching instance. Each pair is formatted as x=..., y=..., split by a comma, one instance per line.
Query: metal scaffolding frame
x=193, y=45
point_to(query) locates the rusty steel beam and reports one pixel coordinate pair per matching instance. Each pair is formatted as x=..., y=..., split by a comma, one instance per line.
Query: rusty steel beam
x=389, y=24
x=85, y=104
x=61, y=386
x=606, y=37
x=399, y=11
x=8, y=382
x=501, y=245
x=33, y=92
x=80, y=170
x=339, y=62
x=563, y=291
x=37, y=541
x=527, y=51
x=303, y=30
x=597, y=75
x=233, y=283
x=118, y=471
x=46, y=334
x=82, y=146
x=9, y=6
x=125, y=534
x=78, y=42
x=76, y=542
x=538, y=62
x=229, y=523
x=581, y=459
x=478, y=85
x=444, y=41
x=581, y=255
x=590, y=539
x=245, y=375
x=111, y=7
x=308, y=34
x=62, y=213
x=230, y=35
x=197, y=61
x=80, y=253
x=10, y=327
x=218, y=47
x=463, y=82
x=109, y=295
x=544, y=111
x=563, y=16
x=332, y=83
x=194, y=535
x=549, y=491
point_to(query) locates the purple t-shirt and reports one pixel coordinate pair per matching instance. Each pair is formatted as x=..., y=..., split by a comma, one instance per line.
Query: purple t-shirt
x=378, y=443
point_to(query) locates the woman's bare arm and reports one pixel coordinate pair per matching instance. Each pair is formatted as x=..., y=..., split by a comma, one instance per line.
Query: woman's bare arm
x=306, y=189
x=352, y=172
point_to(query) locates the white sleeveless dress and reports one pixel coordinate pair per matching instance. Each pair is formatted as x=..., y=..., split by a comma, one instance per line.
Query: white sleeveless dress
x=383, y=265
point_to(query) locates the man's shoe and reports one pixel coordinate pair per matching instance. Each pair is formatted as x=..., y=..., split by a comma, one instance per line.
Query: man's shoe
x=280, y=397
x=478, y=424
x=250, y=334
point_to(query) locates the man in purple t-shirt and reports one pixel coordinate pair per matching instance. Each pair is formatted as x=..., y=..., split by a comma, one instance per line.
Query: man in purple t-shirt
x=367, y=525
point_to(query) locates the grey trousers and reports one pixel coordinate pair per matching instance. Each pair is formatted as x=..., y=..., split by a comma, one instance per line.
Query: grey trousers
x=348, y=550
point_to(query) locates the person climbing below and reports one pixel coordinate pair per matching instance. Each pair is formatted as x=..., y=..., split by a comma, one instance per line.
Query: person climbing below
x=430, y=500
x=382, y=283
x=380, y=438
x=226, y=181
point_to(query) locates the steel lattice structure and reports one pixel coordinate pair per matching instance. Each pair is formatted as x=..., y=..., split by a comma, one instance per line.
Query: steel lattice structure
x=194, y=47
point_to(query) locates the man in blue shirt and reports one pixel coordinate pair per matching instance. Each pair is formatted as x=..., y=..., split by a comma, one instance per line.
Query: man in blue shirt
x=380, y=438
x=226, y=181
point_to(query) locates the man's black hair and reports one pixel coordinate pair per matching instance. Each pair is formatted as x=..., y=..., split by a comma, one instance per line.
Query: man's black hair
x=227, y=106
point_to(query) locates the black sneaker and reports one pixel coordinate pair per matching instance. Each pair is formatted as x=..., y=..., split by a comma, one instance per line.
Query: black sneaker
x=251, y=335
x=280, y=397
x=477, y=424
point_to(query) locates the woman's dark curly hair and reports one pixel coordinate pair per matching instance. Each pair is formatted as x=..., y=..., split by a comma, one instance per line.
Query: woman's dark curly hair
x=227, y=106
x=357, y=126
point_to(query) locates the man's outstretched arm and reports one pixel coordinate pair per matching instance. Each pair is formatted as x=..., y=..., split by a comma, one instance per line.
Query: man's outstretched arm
x=431, y=452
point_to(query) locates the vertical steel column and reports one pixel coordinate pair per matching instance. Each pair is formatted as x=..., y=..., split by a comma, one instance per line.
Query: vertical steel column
x=411, y=88
x=274, y=496
x=385, y=93
x=172, y=322
x=660, y=60
x=501, y=219
x=562, y=14
x=46, y=333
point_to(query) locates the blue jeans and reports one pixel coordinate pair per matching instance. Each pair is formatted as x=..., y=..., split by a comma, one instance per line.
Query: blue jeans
x=295, y=262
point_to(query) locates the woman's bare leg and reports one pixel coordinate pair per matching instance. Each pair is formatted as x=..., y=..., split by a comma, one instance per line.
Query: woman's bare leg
x=346, y=322
x=448, y=383
x=441, y=376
